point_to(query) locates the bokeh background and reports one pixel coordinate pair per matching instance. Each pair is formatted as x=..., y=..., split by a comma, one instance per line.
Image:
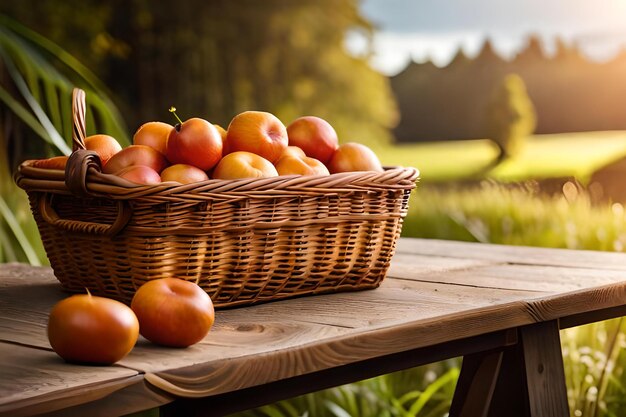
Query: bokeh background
x=513, y=111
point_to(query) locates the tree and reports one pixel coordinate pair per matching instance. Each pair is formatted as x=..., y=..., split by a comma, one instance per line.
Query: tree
x=511, y=116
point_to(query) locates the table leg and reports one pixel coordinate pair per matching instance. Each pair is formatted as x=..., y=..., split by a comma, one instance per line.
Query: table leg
x=519, y=381
x=476, y=384
x=543, y=363
x=510, y=397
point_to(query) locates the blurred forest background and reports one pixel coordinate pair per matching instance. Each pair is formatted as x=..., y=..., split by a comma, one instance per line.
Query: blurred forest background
x=526, y=151
x=215, y=59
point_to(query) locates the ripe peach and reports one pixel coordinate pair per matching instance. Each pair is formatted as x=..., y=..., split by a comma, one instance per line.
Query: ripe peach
x=221, y=130
x=195, y=142
x=154, y=135
x=292, y=151
x=354, y=157
x=135, y=155
x=243, y=164
x=315, y=136
x=56, y=162
x=104, y=145
x=258, y=132
x=184, y=174
x=140, y=174
x=293, y=165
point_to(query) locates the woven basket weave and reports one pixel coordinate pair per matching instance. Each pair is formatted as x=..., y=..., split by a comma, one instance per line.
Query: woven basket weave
x=243, y=241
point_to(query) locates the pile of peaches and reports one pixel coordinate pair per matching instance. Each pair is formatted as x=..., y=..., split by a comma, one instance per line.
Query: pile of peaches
x=255, y=145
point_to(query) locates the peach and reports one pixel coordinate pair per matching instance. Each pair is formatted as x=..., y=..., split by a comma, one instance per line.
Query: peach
x=56, y=162
x=315, y=136
x=294, y=165
x=293, y=151
x=140, y=174
x=104, y=145
x=154, y=135
x=243, y=164
x=135, y=155
x=258, y=132
x=221, y=130
x=195, y=142
x=184, y=174
x=354, y=157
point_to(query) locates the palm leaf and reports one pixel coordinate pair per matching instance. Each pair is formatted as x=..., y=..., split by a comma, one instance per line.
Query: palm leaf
x=35, y=91
x=18, y=233
x=44, y=76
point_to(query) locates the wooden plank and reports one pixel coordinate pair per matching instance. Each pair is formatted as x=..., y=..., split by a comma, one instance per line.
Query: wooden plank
x=394, y=301
x=513, y=254
x=581, y=304
x=222, y=370
x=434, y=264
x=24, y=311
x=554, y=279
x=230, y=402
x=35, y=380
x=545, y=377
x=130, y=399
x=12, y=274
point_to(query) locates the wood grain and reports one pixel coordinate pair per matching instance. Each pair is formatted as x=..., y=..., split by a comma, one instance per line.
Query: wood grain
x=34, y=380
x=554, y=279
x=522, y=255
x=545, y=377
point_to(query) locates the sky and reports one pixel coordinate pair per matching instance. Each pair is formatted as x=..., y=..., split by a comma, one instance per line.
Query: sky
x=434, y=29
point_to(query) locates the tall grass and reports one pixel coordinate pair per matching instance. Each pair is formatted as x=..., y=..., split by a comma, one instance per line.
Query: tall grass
x=517, y=215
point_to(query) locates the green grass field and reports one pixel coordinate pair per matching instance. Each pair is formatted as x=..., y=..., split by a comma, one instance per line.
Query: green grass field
x=576, y=155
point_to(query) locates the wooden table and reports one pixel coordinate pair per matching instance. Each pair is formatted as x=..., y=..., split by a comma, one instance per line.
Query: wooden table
x=500, y=307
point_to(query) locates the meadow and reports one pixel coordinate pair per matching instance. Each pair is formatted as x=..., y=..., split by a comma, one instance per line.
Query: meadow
x=561, y=155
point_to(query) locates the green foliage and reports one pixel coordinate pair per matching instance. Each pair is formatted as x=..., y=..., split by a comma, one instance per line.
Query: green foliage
x=36, y=81
x=510, y=116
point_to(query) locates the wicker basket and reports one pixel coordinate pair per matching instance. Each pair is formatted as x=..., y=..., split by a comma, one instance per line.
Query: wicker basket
x=243, y=241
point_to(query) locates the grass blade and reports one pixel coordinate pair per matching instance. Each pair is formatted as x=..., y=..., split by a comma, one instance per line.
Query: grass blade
x=449, y=377
x=53, y=134
x=21, y=238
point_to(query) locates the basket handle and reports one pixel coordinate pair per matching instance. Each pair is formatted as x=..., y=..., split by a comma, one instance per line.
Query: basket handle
x=81, y=161
x=79, y=108
x=50, y=215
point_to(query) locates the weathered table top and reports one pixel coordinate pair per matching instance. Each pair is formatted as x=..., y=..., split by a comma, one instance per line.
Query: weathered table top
x=435, y=291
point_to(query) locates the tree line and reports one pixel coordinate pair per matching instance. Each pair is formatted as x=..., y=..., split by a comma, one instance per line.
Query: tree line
x=570, y=93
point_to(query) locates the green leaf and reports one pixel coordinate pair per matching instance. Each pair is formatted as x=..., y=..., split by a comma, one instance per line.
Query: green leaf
x=53, y=134
x=24, y=115
x=14, y=225
x=336, y=410
x=449, y=377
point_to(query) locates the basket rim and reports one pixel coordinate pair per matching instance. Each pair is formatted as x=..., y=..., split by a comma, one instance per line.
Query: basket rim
x=98, y=184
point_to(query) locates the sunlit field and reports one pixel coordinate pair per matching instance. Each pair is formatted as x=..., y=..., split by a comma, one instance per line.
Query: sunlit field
x=545, y=156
